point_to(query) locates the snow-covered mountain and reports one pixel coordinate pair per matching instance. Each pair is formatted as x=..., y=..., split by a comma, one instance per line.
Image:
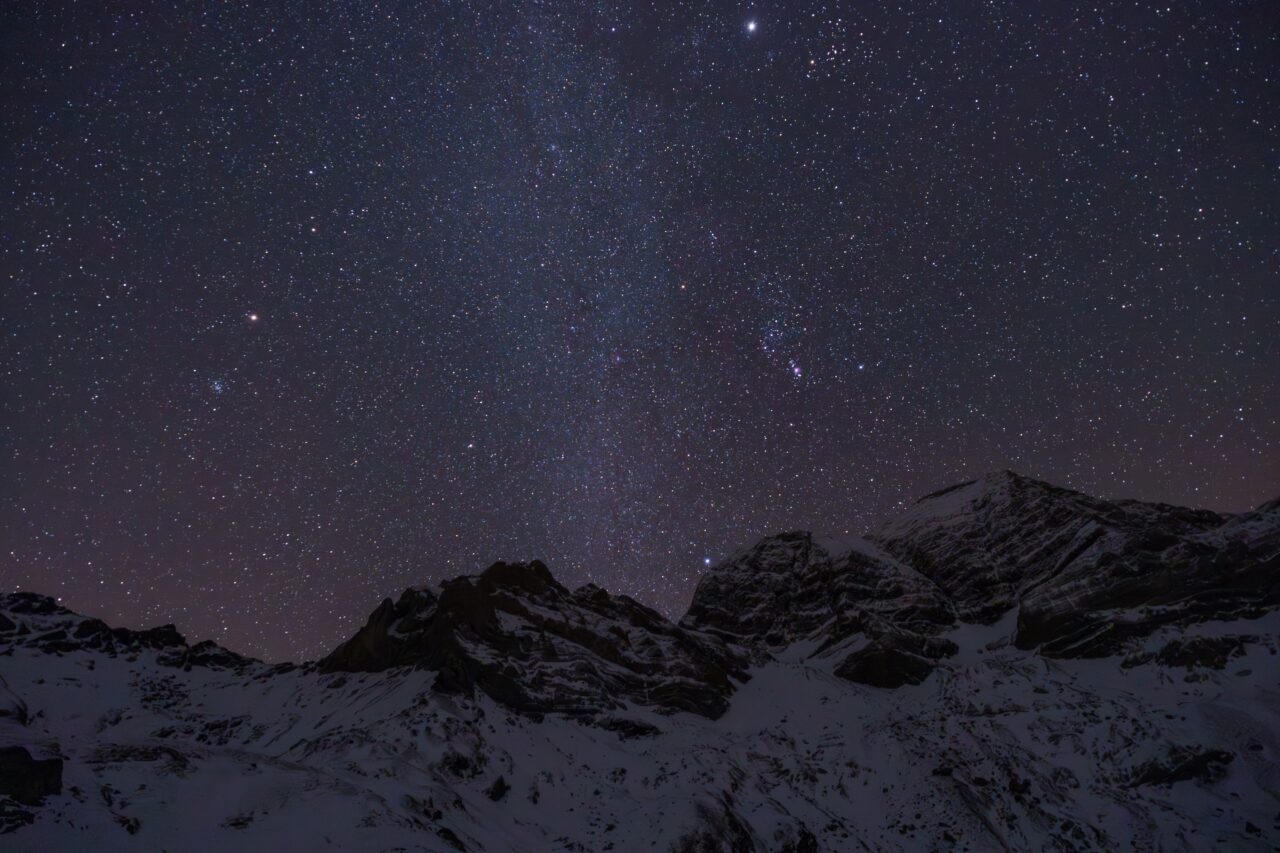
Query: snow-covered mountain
x=1086, y=574
x=1009, y=665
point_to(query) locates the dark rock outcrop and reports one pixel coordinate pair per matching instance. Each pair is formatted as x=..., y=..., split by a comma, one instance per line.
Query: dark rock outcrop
x=846, y=597
x=1209, y=652
x=718, y=829
x=39, y=622
x=28, y=780
x=498, y=789
x=894, y=659
x=1184, y=764
x=12, y=707
x=1086, y=574
x=796, y=585
x=528, y=642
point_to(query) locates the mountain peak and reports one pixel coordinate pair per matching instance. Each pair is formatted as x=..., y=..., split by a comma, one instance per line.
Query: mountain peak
x=820, y=666
x=518, y=635
x=1072, y=563
x=532, y=576
x=959, y=495
x=874, y=618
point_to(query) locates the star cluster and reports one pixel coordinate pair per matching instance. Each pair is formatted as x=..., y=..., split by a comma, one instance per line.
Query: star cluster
x=307, y=302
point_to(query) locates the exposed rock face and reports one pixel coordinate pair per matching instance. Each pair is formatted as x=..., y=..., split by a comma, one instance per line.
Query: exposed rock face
x=531, y=644
x=1087, y=574
x=1184, y=764
x=793, y=585
x=28, y=780
x=844, y=597
x=12, y=708
x=38, y=621
x=895, y=658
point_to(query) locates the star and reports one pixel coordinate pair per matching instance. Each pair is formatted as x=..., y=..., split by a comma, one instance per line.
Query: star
x=608, y=330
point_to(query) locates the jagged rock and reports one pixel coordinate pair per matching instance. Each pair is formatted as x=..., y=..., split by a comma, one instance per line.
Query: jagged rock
x=894, y=658
x=11, y=705
x=792, y=585
x=28, y=780
x=451, y=838
x=1000, y=748
x=40, y=622
x=1086, y=574
x=162, y=637
x=883, y=666
x=526, y=641
x=719, y=829
x=13, y=816
x=205, y=654
x=623, y=727
x=1184, y=764
x=836, y=594
x=1212, y=652
x=498, y=789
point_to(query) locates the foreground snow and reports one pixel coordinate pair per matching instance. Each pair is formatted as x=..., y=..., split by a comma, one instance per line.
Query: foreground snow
x=999, y=748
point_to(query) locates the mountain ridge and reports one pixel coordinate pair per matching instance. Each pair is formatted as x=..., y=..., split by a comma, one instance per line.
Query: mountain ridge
x=1005, y=664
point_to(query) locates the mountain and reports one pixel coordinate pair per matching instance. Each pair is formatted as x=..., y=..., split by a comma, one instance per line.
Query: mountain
x=1007, y=665
x=1086, y=574
x=529, y=643
x=874, y=618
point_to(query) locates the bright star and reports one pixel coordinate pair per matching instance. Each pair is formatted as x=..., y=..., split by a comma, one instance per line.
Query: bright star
x=751, y=26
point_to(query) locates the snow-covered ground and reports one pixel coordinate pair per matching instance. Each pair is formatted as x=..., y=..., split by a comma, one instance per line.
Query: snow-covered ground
x=998, y=748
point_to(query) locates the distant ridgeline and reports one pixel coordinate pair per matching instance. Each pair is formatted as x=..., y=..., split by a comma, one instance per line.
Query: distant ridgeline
x=1007, y=664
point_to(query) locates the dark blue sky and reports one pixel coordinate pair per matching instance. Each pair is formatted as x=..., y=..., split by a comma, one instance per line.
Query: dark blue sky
x=304, y=303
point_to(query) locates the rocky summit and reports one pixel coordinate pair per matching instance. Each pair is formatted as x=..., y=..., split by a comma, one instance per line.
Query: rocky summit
x=1007, y=665
x=529, y=643
x=1085, y=574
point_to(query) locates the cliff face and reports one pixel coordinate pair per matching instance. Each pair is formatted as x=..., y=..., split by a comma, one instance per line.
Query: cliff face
x=1085, y=574
x=849, y=602
x=529, y=643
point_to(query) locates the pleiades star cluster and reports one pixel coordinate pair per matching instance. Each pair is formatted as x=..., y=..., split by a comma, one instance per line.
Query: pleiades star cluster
x=304, y=303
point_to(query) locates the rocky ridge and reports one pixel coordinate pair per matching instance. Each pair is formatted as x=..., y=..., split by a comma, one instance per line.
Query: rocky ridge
x=515, y=633
x=1086, y=574
x=1006, y=665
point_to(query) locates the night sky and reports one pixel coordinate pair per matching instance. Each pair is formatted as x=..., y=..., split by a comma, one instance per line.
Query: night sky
x=306, y=303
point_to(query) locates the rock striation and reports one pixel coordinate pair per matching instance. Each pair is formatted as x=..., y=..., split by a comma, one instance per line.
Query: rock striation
x=1086, y=574
x=846, y=600
x=528, y=642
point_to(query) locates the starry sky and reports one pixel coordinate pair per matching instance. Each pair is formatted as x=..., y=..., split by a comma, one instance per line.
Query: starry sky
x=304, y=303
